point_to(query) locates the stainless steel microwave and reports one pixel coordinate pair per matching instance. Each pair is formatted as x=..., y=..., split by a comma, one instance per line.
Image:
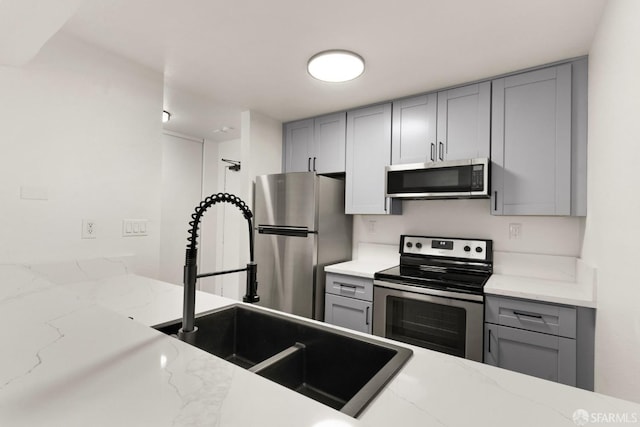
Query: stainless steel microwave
x=439, y=180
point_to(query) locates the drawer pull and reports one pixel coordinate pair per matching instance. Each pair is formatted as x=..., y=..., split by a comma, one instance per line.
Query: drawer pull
x=530, y=316
x=367, y=316
x=347, y=288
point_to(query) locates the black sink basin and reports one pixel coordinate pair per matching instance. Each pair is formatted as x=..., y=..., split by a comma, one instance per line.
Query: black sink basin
x=337, y=368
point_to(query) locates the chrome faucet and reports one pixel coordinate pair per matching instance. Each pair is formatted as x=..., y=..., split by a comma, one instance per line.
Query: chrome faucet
x=188, y=331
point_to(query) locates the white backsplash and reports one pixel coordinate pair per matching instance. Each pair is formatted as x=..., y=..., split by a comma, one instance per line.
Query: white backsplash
x=471, y=219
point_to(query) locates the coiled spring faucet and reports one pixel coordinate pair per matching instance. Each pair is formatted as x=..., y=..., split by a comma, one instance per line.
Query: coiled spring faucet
x=188, y=331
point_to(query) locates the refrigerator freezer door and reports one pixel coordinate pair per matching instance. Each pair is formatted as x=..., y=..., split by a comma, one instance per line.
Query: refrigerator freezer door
x=286, y=272
x=286, y=199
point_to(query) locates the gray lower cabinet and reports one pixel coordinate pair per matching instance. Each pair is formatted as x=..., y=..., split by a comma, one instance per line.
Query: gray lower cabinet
x=544, y=356
x=315, y=145
x=368, y=153
x=538, y=142
x=349, y=301
x=452, y=124
x=549, y=341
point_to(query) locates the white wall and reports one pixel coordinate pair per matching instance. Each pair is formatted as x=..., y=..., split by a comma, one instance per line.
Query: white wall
x=83, y=127
x=260, y=151
x=612, y=232
x=471, y=219
x=181, y=193
x=229, y=228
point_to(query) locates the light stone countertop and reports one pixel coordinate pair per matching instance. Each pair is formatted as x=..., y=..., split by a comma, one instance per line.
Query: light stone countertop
x=554, y=279
x=371, y=258
x=76, y=359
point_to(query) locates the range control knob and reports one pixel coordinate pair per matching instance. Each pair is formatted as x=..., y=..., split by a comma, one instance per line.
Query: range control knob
x=418, y=245
x=467, y=248
x=478, y=249
x=409, y=244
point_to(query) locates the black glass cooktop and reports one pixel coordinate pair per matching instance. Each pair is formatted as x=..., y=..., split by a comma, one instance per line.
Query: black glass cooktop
x=436, y=277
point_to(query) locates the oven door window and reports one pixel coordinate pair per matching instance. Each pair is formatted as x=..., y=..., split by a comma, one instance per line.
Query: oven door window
x=425, y=324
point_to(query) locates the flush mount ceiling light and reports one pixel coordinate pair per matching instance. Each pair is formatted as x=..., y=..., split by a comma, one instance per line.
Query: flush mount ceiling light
x=336, y=66
x=166, y=116
x=223, y=129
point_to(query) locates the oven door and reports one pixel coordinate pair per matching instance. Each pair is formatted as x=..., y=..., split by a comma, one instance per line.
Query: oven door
x=415, y=316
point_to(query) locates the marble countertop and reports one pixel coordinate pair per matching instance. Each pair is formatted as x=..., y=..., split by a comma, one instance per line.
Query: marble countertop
x=554, y=291
x=371, y=258
x=76, y=358
x=554, y=279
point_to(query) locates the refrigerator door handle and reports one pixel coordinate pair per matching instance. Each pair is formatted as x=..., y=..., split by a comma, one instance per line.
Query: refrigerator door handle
x=283, y=230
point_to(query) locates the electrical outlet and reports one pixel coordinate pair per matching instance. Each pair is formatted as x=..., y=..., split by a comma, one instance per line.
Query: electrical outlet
x=515, y=231
x=371, y=225
x=89, y=229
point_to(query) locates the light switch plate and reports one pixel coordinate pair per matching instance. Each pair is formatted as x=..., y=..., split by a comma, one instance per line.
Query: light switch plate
x=135, y=227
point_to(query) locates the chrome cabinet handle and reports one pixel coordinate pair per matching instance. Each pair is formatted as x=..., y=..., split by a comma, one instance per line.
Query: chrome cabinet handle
x=433, y=152
x=441, y=150
x=489, y=350
x=495, y=201
x=308, y=164
x=367, y=316
x=314, y=164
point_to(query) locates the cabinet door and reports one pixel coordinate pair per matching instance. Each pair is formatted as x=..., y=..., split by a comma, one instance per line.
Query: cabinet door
x=329, y=143
x=348, y=312
x=298, y=143
x=549, y=357
x=464, y=120
x=368, y=153
x=531, y=143
x=414, y=130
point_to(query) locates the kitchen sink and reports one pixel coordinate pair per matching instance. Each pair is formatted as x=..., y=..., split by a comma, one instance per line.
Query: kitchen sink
x=337, y=368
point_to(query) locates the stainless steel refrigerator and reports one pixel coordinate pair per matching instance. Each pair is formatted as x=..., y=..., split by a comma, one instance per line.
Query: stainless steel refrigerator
x=300, y=228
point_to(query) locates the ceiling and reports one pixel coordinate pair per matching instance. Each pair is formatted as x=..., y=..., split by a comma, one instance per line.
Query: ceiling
x=223, y=57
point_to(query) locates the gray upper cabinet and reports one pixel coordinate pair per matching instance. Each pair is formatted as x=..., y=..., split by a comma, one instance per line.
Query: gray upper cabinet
x=329, y=143
x=298, y=143
x=368, y=153
x=414, y=129
x=450, y=125
x=464, y=121
x=316, y=145
x=539, y=142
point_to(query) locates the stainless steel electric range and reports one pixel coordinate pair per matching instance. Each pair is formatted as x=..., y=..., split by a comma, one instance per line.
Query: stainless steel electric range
x=434, y=298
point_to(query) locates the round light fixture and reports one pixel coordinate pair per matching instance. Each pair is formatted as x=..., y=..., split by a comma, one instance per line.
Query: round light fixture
x=166, y=116
x=336, y=66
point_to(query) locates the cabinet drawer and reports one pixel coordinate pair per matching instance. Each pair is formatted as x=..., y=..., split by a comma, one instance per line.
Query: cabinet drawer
x=350, y=286
x=531, y=315
x=348, y=312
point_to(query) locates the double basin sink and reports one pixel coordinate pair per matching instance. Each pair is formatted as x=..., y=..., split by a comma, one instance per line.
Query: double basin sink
x=339, y=369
